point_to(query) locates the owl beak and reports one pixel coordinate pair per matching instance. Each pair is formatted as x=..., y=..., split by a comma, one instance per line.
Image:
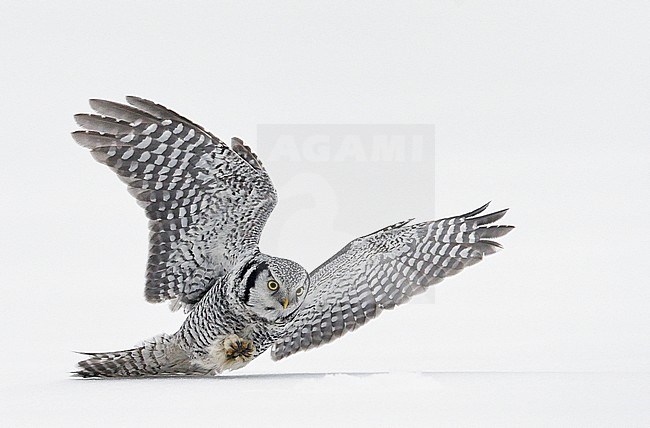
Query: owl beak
x=285, y=303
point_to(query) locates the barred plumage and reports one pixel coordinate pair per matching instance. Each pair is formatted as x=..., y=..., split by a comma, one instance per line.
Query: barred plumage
x=156, y=356
x=207, y=204
x=384, y=269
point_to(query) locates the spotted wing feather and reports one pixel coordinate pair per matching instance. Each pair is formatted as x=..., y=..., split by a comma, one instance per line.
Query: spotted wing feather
x=206, y=203
x=385, y=269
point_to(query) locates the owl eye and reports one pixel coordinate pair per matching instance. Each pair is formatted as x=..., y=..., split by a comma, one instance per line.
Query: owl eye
x=273, y=285
x=300, y=290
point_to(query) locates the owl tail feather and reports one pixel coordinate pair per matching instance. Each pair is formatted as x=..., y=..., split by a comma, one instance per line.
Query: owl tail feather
x=157, y=356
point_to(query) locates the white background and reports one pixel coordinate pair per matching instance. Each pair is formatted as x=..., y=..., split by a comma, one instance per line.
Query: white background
x=541, y=107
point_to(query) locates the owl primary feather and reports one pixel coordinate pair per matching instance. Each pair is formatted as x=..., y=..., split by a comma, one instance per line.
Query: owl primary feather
x=207, y=204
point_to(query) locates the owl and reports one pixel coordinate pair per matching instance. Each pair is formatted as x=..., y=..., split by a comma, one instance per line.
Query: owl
x=207, y=204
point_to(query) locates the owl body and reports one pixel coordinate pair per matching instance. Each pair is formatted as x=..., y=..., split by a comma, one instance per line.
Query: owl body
x=207, y=204
x=221, y=332
x=223, y=316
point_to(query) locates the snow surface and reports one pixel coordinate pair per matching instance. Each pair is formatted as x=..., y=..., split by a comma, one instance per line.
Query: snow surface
x=335, y=399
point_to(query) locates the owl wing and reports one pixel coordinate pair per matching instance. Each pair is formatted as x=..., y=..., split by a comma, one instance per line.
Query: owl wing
x=206, y=202
x=384, y=269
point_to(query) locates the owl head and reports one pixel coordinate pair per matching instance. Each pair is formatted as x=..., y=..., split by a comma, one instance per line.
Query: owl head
x=273, y=287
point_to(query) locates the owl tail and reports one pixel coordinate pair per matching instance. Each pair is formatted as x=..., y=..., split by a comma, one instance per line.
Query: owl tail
x=157, y=356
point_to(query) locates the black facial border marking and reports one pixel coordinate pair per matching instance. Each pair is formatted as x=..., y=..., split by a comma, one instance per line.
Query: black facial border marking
x=250, y=281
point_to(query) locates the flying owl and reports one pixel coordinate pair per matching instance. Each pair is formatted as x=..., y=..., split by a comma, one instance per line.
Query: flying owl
x=207, y=204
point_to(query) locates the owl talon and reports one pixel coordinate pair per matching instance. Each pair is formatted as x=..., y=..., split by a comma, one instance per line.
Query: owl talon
x=230, y=353
x=237, y=348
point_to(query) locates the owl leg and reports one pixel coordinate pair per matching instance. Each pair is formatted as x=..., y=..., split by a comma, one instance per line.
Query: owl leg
x=231, y=353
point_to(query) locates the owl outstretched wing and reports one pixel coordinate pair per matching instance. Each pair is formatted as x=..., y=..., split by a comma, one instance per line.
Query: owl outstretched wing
x=384, y=269
x=206, y=202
